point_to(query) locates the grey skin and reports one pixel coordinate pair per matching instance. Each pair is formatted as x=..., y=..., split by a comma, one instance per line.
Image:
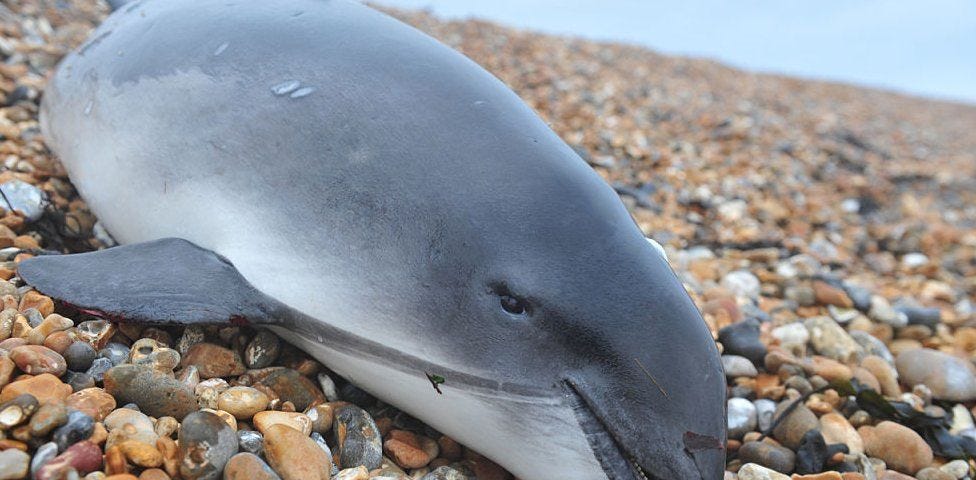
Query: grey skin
x=389, y=206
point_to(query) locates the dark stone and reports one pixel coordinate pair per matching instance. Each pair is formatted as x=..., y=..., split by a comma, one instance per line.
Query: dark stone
x=80, y=356
x=79, y=427
x=928, y=316
x=362, y=444
x=742, y=339
x=768, y=455
x=206, y=444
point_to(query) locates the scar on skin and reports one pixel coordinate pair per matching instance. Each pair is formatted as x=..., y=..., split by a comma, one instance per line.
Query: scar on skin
x=648, y=373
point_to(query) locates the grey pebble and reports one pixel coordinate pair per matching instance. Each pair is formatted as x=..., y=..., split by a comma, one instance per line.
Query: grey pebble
x=206, y=444
x=362, y=445
x=79, y=427
x=45, y=453
x=79, y=356
x=250, y=441
x=741, y=417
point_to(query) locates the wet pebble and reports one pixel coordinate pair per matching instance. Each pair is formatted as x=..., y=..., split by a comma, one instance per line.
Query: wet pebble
x=410, y=450
x=82, y=457
x=752, y=471
x=79, y=356
x=797, y=423
x=742, y=339
x=93, y=402
x=242, y=402
x=206, y=443
x=250, y=441
x=299, y=421
x=263, y=350
x=358, y=438
x=78, y=427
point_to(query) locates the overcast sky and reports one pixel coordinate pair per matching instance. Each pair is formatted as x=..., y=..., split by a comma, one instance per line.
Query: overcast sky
x=926, y=47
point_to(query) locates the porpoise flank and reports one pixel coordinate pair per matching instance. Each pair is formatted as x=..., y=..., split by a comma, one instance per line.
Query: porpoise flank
x=393, y=209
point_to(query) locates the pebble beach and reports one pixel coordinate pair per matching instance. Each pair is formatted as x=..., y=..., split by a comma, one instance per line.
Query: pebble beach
x=827, y=233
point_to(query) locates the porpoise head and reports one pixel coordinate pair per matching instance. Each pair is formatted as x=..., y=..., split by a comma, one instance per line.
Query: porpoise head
x=552, y=285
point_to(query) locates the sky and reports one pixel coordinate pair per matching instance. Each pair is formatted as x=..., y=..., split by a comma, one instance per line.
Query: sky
x=922, y=47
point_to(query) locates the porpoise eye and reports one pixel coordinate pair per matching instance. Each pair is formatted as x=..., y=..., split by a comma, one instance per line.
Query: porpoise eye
x=513, y=305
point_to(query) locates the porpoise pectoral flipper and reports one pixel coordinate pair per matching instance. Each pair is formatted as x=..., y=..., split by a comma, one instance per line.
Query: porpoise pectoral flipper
x=166, y=281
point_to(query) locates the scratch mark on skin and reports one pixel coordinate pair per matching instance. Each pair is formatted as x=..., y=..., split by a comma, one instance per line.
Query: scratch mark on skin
x=648, y=373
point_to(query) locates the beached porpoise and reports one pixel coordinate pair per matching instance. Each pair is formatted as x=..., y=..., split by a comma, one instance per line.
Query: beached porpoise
x=393, y=209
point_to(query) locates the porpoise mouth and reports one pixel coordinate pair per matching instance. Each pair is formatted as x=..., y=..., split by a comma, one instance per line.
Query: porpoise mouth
x=613, y=457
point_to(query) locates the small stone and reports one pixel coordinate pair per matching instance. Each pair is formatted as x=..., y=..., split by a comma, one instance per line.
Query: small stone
x=900, y=447
x=93, y=402
x=44, y=454
x=78, y=380
x=42, y=303
x=247, y=466
x=768, y=455
x=321, y=416
x=791, y=429
x=741, y=417
x=299, y=421
x=950, y=378
x=84, y=457
x=242, y=402
x=959, y=469
x=250, y=441
x=14, y=464
x=836, y=429
x=791, y=333
x=328, y=387
x=872, y=345
x=192, y=335
x=151, y=353
x=24, y=198
x=263, y=350
x=736, y=366
x=48, y=417
x=882, y=311
x=78, y=427
x=38, y=359
x=742, y=339
x=79, y=356
x=100, y=366
x=116, y=353
x=752, y=471
x=827, y=294
x=293, y=387
x=141, y=454
x=213, y=361
x=156, y=393
x=765, y=410
x=295, y=456
x=358, y=437
x=409, y=450
x=154, y=474
x=829, y=370
x=206, y=443
x=932, y=473
x=17, y=411
x=831, y=340
x=44, y=388
x=928, y=316
x=358, y=473
x=742, y=283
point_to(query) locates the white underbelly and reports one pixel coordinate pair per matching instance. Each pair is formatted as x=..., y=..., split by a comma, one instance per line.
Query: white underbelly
x=535, y=438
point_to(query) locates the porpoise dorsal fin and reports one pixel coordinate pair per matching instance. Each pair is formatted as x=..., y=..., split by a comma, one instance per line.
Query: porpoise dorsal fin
x=167, y=281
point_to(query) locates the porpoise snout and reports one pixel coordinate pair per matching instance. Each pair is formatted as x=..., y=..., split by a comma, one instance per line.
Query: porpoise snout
x=653, y=405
